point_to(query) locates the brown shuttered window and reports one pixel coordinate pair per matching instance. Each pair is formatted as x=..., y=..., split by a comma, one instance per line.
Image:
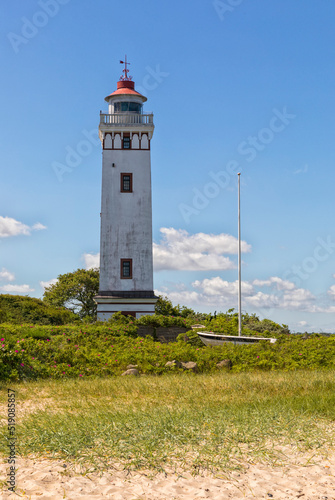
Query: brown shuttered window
x=126, y=183
x=126, y=269
x=126, y=142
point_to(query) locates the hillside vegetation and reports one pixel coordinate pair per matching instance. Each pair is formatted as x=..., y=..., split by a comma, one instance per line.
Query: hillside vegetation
x=106, y=349
x=19, y=309
x=40, y=341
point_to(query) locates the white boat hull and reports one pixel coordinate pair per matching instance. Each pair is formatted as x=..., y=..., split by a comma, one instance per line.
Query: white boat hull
x=210, y=338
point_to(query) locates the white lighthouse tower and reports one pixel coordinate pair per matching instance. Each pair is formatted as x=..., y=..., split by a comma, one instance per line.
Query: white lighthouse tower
x=126, y=270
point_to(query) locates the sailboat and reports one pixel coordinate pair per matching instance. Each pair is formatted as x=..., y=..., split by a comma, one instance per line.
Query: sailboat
x=216, y=339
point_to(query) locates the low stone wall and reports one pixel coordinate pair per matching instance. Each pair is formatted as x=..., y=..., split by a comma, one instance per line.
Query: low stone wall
x=164, y=335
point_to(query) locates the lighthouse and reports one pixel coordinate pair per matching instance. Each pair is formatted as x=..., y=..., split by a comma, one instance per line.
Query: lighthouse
x=126, y=269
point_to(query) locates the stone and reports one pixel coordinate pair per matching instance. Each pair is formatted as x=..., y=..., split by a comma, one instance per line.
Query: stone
x=131, y=367
x=131, y=371
x=225, y=363
x=191, y=365
x=173, y=364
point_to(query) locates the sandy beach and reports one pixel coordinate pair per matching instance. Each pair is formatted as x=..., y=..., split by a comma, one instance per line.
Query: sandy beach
x=304, y=476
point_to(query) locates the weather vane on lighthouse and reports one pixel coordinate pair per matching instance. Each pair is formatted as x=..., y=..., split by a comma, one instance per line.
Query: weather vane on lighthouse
x=125, y=77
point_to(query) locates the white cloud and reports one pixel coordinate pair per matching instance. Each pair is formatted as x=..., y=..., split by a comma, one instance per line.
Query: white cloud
x=285, y=296
x=45, y=284
x=302, y=323
x=21, y=289
x=299, y=299
x=263, y=300
x=214, y=243
x=11, y=227
x=92, y=261
x=6, y=275
x=214, y=292
x=220, y=294
x=217, y=286
x=178, y=250
x=186, y=297
x=279, y=283
x=331, y=291
x=38, y=227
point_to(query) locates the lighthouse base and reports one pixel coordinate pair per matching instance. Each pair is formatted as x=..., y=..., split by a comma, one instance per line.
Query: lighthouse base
x=134, y=304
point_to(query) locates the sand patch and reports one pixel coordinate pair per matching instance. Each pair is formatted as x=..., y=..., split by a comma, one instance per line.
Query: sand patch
x=304, y=476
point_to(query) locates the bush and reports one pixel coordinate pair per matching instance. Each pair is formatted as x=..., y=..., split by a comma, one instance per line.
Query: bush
x=193, y=339
x=105, y=349
x=158, y=320
x=19, y=309
x=252, y=326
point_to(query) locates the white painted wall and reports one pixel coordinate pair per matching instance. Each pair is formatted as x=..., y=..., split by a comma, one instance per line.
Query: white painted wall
x=144, y=142
x=108, y=141
x=104, y=316
x=135, y=143
x=126, y=221
x=117, y=141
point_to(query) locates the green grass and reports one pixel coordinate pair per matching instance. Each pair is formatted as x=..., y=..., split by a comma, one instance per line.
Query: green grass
x=213, y=422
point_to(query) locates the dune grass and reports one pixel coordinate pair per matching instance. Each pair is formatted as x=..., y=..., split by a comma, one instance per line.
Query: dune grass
x=200, y=422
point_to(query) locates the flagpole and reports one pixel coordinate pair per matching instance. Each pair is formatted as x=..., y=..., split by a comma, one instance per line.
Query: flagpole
x=239, y=260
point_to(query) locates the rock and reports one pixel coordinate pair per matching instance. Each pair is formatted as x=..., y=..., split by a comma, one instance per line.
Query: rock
x=191, y=365
x=131, y=367
x=174, y=364
x=131, y=371
x=225, y=363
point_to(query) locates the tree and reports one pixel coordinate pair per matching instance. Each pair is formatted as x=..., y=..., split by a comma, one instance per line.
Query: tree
x=164, y=306
x=76, y=292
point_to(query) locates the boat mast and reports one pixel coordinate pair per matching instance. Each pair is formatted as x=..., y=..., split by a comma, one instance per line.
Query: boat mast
x=239, y=259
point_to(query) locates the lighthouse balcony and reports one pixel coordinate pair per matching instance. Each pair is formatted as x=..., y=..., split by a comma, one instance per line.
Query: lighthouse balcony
x=126, y=119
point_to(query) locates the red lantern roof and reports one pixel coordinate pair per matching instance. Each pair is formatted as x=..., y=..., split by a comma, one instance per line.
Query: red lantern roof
x=125, y=86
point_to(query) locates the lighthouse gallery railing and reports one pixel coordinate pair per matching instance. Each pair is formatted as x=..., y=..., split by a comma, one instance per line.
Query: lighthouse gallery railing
x=126, y=119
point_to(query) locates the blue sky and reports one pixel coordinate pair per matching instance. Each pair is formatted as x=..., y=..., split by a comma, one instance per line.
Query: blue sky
x=234, y=86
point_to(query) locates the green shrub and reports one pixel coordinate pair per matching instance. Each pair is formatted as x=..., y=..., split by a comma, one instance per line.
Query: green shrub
x=105, y=349
x=158, y=320
x=193, y=338
x=252, y=326
x=22, y=309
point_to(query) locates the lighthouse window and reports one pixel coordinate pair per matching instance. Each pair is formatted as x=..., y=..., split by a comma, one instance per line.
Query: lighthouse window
x=126, y=142
x=126, y=183
x=124, y=107
x=135, y=107
x=126, y=268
